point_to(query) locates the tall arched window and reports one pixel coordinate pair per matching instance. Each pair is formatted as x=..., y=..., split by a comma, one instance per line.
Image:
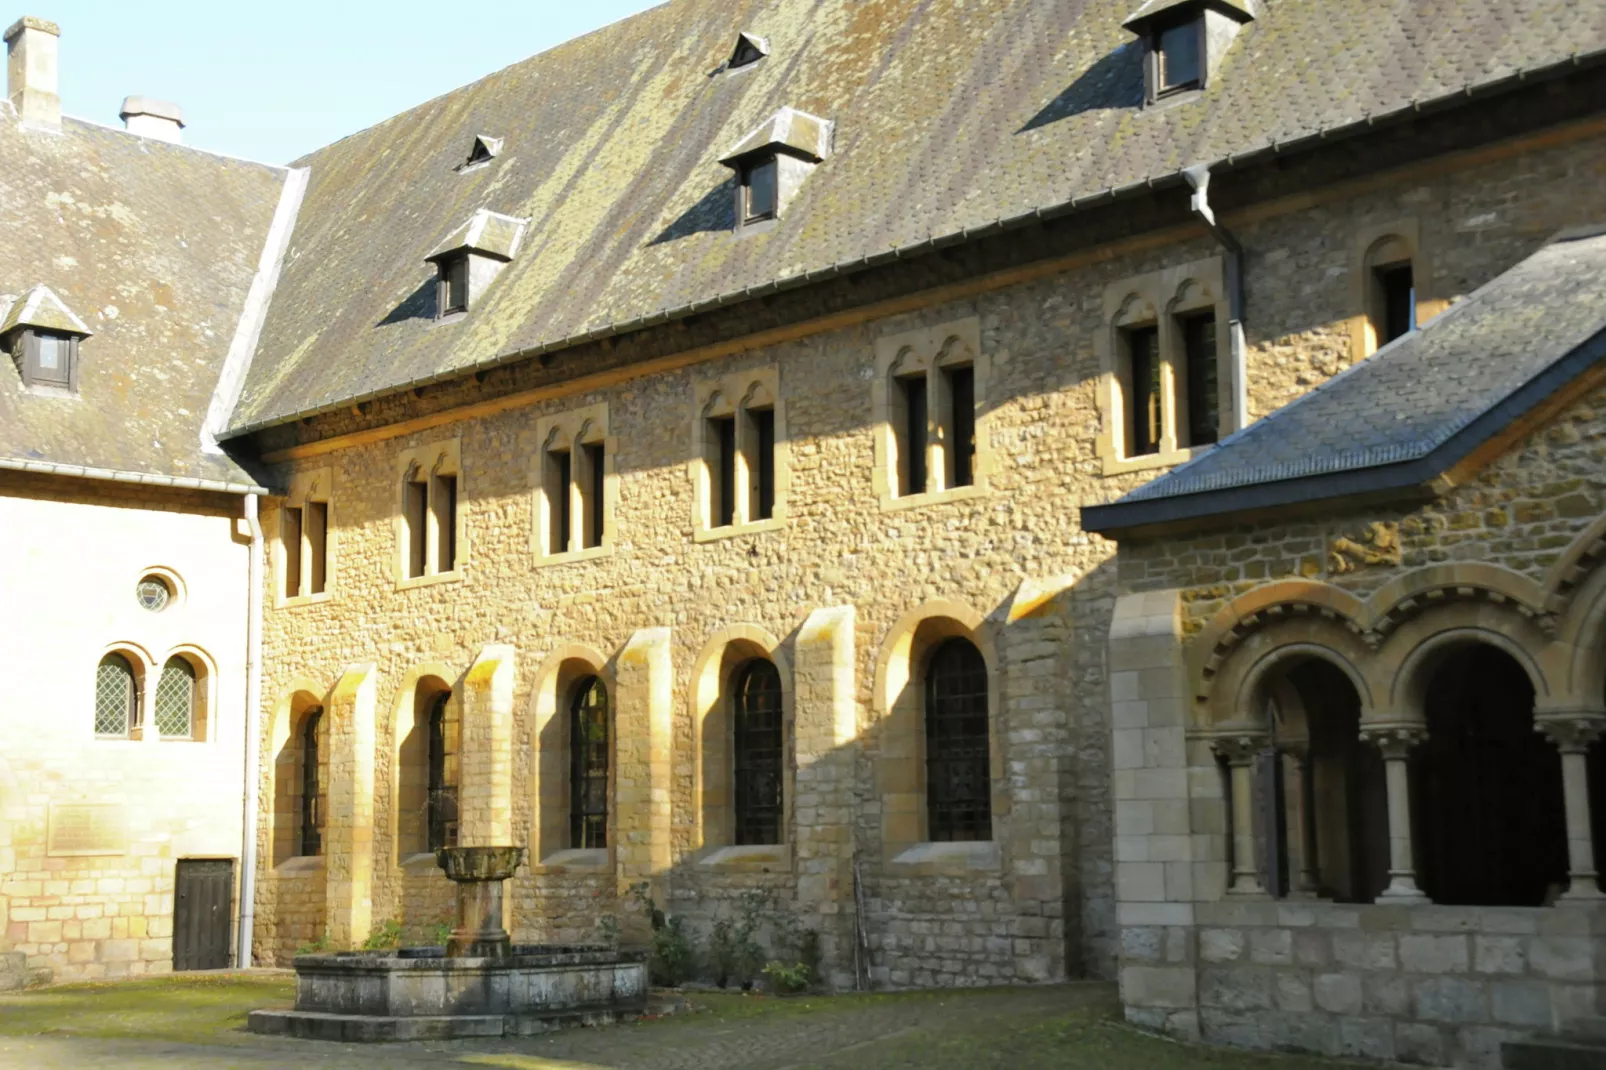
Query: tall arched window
x=442, y=798
x=588, y=764
x=174, y=714
x=958, y=779
x=758, y=753
x=311, y=838
x=115, y=697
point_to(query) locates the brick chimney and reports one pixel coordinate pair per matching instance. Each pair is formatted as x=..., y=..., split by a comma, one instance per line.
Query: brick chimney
x=153, y=118
x=31, y=77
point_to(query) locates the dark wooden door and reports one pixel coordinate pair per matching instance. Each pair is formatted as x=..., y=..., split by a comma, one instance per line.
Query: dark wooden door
x=203, y=894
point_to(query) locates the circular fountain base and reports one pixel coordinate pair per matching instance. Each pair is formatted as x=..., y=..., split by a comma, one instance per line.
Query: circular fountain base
x=422, y=994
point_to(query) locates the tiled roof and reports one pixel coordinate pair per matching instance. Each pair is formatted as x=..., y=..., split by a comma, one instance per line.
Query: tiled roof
x=152, y=247
x=948, y=115
x=1410, y=411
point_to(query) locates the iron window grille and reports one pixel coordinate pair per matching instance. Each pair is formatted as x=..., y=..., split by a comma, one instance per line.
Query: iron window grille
x=174, y=712
x=311, y=797
x=758, y=750
x=958, y=780
x=441, y=799
x=114, y=696
x=588, y=765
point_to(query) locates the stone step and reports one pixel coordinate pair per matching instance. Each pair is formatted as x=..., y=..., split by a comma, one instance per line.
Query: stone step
x=1553, y=1053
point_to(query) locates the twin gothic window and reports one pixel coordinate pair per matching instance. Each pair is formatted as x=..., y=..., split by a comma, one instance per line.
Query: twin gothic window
x=1190, y=394
x=175, y=706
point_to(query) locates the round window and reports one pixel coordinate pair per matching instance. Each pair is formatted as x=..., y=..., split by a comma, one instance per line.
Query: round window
x=153, y=593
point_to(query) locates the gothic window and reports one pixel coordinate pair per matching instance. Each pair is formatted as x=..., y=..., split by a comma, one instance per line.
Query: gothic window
x=757, y=741
x=737, y=443
x=1200, y=374
x=574, y=479
x=429, y=518
x=958, y=777
x=1388, y=288
x=443, y=773
x=1394, y=312
x=304, y=534
x=1144, y=411
x=175, y=704
x=588, y=764
x=310, y=840
x=115, y=697
x=910, y=429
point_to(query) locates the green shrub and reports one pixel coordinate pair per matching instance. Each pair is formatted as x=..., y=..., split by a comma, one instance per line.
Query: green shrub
x=788, y=980
x=385, y=936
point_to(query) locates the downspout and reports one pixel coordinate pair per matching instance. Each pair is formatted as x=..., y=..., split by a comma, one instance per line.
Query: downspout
x=253, y=732
x=1198, y=177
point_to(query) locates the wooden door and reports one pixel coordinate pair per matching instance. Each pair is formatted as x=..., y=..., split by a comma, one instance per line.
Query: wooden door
x=203, y=893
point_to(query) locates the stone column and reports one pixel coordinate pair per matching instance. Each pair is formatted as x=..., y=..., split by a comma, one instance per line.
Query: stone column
x=644, y=685
x=485, y=751
x=1395, y=740
x=1572, y=733
x=348, y=835
x=1307, y=881
x=1239, y=751
x=825, y=724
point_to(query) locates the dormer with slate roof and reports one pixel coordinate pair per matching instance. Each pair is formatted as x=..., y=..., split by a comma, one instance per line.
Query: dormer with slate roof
x=1185, y=41
x=772, y=161
x=41, y=333
x=749, y=49
x=485, y=149
x=471, y=257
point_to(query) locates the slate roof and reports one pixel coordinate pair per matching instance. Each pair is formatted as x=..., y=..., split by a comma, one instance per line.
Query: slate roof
x=948, y=115
x=1409, y=412
x=153, y=247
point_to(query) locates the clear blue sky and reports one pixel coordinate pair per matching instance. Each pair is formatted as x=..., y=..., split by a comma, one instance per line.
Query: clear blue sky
x=274, y=79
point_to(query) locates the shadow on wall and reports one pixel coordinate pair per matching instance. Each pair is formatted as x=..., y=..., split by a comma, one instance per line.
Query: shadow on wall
x=418, y=305
x=1114, y=82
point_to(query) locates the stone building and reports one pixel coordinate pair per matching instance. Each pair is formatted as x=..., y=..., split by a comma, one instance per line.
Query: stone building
x=674, y=444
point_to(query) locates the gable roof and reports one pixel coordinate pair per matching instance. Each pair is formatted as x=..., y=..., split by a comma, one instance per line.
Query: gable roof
x=150, y=249
x=948, y=117
x=42, y=309
x=1407, y=414
x=484, y=232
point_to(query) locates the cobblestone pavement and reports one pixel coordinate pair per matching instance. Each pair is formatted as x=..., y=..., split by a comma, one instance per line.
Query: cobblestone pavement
x=1017, y=1029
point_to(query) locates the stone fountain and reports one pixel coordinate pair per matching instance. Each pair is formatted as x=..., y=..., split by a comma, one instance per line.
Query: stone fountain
x=480, y=984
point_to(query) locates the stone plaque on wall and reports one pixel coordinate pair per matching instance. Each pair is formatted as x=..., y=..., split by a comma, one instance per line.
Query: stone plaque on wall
x=87, y=829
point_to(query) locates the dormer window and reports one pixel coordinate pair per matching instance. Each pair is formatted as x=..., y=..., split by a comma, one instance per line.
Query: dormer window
x=772, y=161
x=483, y=151
x=1185, y=41
x=750, y=48
x=41, y=333
x=471, y=257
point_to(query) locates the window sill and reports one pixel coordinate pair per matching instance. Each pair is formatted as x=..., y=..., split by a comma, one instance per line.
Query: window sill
x=945, y=859
x=731, y=531
x=575, y=860
x=1114, y=466
x=569, y=557
x=431, y=580
x=749, y=858
x=301, y=600
x=299, y=865
x=934, y=497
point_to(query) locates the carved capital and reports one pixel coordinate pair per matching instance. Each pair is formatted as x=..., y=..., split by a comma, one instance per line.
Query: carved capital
x=1238, y=747
x=1572, y=731
x=1394, y=740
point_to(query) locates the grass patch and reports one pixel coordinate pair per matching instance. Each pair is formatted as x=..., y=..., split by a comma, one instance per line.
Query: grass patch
x=196, y=1010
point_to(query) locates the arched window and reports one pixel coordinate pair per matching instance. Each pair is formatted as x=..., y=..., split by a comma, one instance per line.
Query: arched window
x=116, y=701
x=958, y=779
x=588, y=764
x=442, y=798
x=310, y=841
x=174, y=714
x=758, y=753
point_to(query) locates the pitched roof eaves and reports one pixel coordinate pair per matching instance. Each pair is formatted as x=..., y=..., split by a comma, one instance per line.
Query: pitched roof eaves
x=1052, y=210
x=18, y=464
x=179, y=145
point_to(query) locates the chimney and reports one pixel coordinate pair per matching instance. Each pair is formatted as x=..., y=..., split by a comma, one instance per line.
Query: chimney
x=31, y=72
x=153, y=118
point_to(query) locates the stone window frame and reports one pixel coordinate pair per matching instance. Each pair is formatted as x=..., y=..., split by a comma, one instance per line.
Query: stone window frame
x=900, y=767
x=312, y=485
x=711, y=696
x=1160, y=299
x=586, y=426
x=555, y=681
x=442, y=457
x=140, y=664
x=1365, y=250
x=284, y=835
x=926, y=351
x=406, y=713
x=202, y=728
x=733, y=395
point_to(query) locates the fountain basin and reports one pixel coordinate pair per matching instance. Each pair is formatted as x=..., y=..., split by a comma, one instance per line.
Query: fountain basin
x=423, y=994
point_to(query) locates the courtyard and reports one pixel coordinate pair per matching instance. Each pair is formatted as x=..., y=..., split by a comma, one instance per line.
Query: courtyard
x=194, y=1022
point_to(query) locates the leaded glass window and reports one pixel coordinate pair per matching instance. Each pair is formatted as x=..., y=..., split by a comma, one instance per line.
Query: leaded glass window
x=311, y=839
x=588, y=764
x=153, y=593
x=175, y=699
x=958, y=782
x=758, y=747
x=443, y=773
x=114, y=696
